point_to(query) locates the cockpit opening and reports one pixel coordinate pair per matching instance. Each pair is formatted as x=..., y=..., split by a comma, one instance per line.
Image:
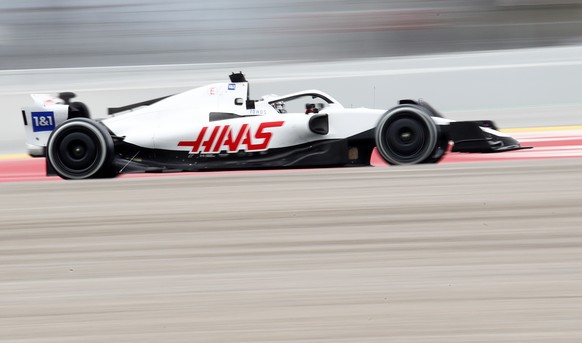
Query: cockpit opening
x=302, y=103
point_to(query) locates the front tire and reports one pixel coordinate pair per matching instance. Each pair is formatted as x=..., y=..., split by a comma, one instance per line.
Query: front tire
x=81, y=148
x=408, y=135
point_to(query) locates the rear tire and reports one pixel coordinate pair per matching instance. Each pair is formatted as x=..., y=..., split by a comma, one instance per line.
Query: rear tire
x=408, y=135
x=81, y=149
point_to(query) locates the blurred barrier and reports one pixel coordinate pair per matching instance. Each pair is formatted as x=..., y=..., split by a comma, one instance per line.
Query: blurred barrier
x=84, y=33
x=513, y=3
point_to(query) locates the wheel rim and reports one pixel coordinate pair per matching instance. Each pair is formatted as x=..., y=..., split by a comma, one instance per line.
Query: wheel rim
x=77, y=151
x=405, y=138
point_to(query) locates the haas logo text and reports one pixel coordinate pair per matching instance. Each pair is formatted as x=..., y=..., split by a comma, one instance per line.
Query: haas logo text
x=226, y=138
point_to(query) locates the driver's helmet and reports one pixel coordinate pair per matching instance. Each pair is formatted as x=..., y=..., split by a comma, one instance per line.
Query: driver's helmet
x=280, y=107
x=311, y=108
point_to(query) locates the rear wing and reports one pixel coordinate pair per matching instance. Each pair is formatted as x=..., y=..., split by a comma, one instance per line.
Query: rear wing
x=45, y=115
x=41, y=119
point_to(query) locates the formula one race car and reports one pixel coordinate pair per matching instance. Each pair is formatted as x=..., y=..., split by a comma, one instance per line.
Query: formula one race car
x=218, y=127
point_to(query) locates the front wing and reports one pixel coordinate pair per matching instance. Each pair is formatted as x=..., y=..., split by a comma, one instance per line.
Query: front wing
x=480, y=137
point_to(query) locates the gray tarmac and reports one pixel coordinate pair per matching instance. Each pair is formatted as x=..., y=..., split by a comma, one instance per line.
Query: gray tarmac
x=469, y=252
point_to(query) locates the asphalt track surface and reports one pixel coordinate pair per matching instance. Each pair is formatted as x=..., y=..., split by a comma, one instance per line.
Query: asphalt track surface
x=454, y=252
x=447, y=253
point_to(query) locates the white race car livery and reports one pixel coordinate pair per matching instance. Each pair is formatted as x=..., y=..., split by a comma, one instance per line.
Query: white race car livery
x=219, y=127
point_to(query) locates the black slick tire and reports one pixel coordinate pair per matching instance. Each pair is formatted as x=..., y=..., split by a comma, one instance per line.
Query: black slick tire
x=407, y=135
x=81, y=148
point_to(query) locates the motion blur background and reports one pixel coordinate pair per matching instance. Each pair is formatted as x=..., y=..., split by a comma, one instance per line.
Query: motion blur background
x=84, y=33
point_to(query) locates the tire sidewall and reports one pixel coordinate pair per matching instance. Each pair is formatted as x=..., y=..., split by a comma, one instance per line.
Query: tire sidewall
x=419, y=113
x=104, y=148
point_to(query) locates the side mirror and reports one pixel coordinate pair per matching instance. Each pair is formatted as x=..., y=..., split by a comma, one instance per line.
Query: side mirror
x=238, y=101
